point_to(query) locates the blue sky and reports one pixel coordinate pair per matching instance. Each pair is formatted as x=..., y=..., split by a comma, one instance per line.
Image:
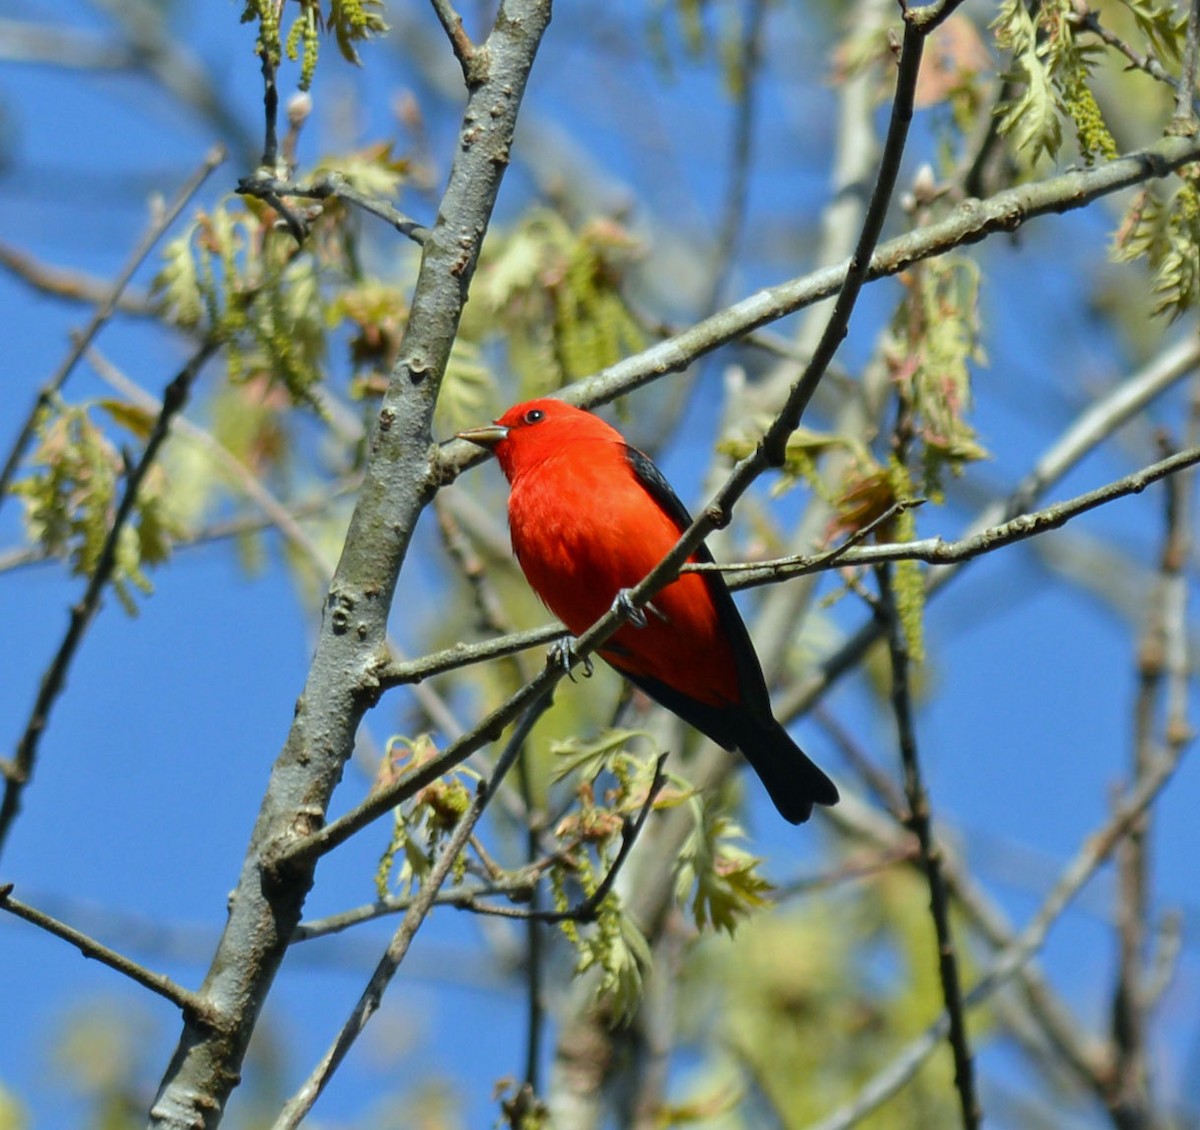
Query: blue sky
x=155, y=760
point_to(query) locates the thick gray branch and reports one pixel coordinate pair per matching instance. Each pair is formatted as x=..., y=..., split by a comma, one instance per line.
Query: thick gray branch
x=266, y=904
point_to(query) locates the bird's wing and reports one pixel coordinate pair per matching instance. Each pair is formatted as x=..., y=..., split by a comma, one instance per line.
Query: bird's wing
x=750, y=677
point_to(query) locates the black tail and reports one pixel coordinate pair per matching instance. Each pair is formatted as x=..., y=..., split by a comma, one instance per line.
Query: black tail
x=794, y=783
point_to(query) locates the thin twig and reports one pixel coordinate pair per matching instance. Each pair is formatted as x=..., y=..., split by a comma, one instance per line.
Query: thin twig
x=935, y=551
x=519, y=886
x=19, y=770
x=1090, y=428
x=183, y=999
x=920, y=822
x=250, y=484
x=970, y=222
x=160, y=223
x=220, y=530
x=1094, y=851
x=265, y=907
x=71, y=285
x=464, y=654
x=1161, y=657
x=301, y=1103
x=331, y=186
x=876, y=780
x=277, y=514
x=772, y=448
x=733, y=212
x=586, y=909
x=1089, y=20
x=464, y=50
x=1185, y=101
x=1077, y=1049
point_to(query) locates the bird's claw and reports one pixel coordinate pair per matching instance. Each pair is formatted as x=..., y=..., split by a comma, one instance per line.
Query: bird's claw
x=636, y=615
x=623, y=604
x=563, y=654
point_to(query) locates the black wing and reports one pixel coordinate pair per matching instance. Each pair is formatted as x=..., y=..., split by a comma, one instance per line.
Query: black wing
x=753, y=686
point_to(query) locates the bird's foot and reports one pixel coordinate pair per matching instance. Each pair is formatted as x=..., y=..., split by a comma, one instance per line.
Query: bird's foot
x=563, y=654
x=623, y=604
x=637, y=616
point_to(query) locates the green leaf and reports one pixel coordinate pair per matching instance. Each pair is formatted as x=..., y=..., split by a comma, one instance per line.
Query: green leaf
x=591, y=758
x=718, y=878
x=131, y=416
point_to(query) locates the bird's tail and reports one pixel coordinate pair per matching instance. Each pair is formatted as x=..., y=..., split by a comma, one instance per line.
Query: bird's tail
x=794, y=783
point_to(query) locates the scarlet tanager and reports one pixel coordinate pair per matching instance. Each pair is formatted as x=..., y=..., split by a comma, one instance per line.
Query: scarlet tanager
x=590, y=516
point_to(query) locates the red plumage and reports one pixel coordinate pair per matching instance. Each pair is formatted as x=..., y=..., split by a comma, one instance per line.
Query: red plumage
x=590, y=516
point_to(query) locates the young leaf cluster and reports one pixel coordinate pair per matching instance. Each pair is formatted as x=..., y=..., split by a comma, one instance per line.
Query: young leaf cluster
x=719, y=879
x=419, y=829
x=351, y=21
x=1162, y=24
x=556, y=291
x=1165, y=231
x=932, y=342
x=72, y=492
x=1051, y=70
x=233, y=273
x=588, y=840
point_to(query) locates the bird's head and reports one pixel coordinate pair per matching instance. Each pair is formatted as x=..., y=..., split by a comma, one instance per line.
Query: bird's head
x=534, y=431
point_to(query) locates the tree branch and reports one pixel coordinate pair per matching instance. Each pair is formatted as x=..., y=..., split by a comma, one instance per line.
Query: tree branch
x=920, y=822
x=18, y=771
x=368, y=1003
x=1090, y=428
x=266, y=904
x=189, y=1003
x=460, y=42
x=1091, y=855
x=969, y=222
x=151, y=236
x=330, y=186
x=935, y=551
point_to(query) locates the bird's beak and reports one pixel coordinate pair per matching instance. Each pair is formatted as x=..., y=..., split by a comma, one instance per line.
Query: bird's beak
x=487, y=436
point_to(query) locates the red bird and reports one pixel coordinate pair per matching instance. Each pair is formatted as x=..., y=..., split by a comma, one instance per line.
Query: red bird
x=590, y=516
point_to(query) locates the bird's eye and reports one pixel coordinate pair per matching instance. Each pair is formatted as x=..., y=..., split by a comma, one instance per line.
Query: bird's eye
x=534, y=416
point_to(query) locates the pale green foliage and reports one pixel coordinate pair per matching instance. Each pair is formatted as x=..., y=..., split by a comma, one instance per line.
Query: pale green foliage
x=421, y=827
x=1166, y=233
x=72, y=493
x=615, y=946
x=606, y=753
x=929, y=350
x=718, y=878
x=1163, y=24
x=266, y=13
x=303, y=41
x=805, y=447
x=806, y=1005
x=375, y=171
x=1052, y=68
x=555, y=293
x=588, y=840
x=232, y=274
x=932, y=342
x=1032, y=119
x=351, y=21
